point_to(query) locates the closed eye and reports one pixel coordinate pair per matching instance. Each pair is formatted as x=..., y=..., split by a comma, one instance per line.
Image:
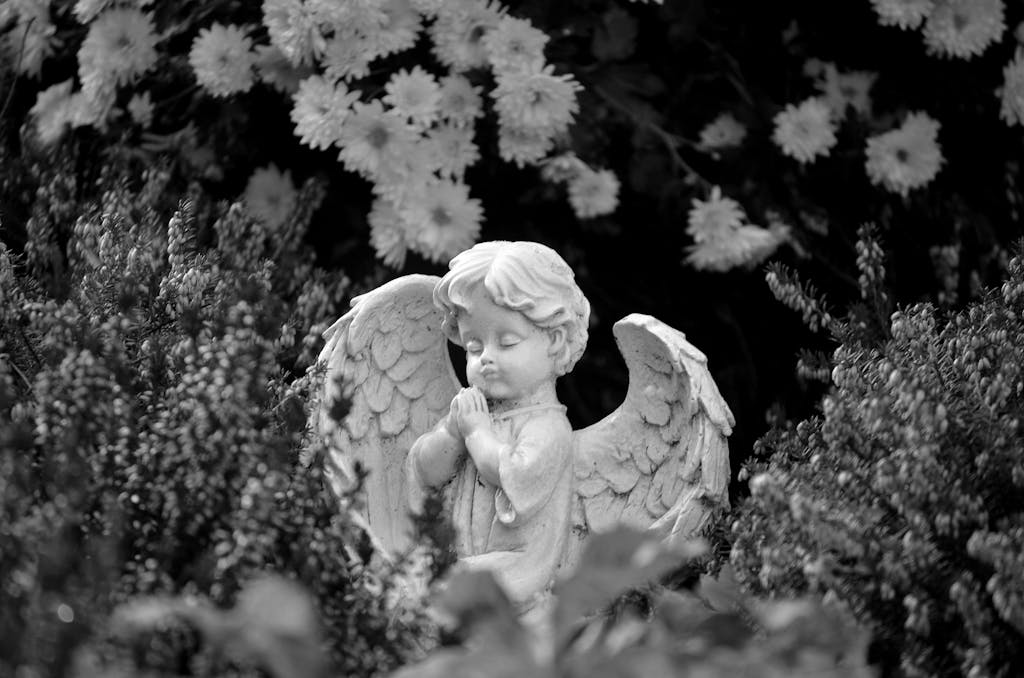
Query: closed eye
x=510, y=340
x=473, y=346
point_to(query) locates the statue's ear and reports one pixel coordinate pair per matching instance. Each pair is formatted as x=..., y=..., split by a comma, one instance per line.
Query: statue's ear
x=558, y=340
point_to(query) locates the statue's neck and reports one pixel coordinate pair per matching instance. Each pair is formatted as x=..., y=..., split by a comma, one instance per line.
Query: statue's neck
x=544, y=395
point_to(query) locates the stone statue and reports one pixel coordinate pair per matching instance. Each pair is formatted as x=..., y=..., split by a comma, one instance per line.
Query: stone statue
x=523, y=488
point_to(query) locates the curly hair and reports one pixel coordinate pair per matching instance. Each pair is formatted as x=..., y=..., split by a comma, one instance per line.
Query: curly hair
x=521, y=276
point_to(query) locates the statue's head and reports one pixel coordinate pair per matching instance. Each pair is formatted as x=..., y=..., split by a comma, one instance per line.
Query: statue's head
x=521, y=276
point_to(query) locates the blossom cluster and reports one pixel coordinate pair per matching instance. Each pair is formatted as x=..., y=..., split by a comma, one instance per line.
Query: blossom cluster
x=899, y=499
x=151, y=420
x=413, y=136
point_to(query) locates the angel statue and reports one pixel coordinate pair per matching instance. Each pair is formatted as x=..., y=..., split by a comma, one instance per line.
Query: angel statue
x=523, y=488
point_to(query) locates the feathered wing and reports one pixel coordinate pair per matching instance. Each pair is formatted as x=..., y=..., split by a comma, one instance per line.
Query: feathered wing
x=661, y=460
x=389, y=356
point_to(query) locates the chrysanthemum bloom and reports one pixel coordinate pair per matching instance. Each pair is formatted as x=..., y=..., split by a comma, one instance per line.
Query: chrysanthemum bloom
x=747, y=245
x=32, y=37
x=514, y=44
x=443, y=219
x=725, y=131
x=51, y=112
x=140, y=108
x=903, y=13
x=348, y=58
x=274, y=69
x=388, y=233
x=594, y=193
x=964, y=28
x=372, y=138
x=270, y=196
x=414, y=95
x=119, y=47
x=523, y=146
x=461, y=102
x=537, y=99
x=805, y=131
x=1012, y=91
x=320, y=110
x=905, y=158
x=453, y=150
x=459, y=29
x=715, y=217
x=400, y=28
x=428, y=8
x=294, y=30
x=563, y=168
x=846, y=90
x=223, y=60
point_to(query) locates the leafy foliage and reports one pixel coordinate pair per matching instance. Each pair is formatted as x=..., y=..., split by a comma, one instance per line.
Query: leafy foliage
x=593, y=629
x=902, y=499
x=152, y=409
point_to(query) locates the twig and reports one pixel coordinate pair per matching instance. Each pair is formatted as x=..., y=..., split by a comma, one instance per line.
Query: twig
x=669, y=140
x=17, y=67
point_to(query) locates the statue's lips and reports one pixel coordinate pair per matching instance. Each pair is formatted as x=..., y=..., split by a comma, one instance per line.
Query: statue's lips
x=489, y=373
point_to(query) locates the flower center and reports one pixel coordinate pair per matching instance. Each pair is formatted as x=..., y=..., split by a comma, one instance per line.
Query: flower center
x=902, y=155
x=960, y=21
x=440, y=216
x=378, y=136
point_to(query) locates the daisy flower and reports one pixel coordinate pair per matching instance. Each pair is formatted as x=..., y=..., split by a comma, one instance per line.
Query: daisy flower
x=1012, y=91
x=523, y=146
x=31, y=40
x=805, y=131
x=414, y=95
x=722, y=132
x=514, y=44
x=320, y=110
x=903, y=13
x=715, y=217
x=400, y=28
x=223, y=59
x=594, y=193
x=443, y=219
x=905, y=158
x=458, y=32
x=745, y=246
x=372, y=139
x=270, y=196
x=428, y=8
x=964, y=28
x=563, y=168
x=388, y=233
x=846, y=90
x=119, y=47
x=536, y=99
x=347, y=58
x=293, y=29
x=453, y=150
x=274, y=69
x=140, y=108
x=460, y=102
x=51, y=112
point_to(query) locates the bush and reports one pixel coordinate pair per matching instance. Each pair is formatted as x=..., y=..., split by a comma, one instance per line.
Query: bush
x=152, y=391
x=903, y=497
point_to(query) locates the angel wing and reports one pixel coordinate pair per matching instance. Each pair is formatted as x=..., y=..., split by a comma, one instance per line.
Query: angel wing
x=389, y=356
x=661, y=460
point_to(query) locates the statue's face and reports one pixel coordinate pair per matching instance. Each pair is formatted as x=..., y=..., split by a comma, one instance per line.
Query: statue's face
x=507, y=357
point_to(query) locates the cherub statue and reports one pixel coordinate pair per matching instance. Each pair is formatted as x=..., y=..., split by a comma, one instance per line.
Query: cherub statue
x=523, y=488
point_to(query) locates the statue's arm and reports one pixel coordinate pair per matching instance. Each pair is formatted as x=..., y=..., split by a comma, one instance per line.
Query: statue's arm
x=436, y=453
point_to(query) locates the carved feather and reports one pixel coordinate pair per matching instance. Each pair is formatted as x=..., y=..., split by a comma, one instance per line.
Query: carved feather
x=390, y=357
x=661, y=460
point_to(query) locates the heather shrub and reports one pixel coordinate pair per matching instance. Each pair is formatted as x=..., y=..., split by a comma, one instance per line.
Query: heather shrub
x=153, y=380
x=902, y=498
